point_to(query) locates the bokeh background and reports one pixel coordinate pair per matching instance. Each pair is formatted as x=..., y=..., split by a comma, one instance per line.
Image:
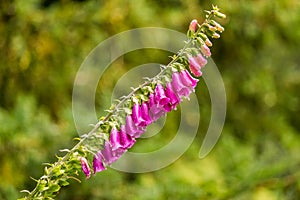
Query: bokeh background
x=43, y=43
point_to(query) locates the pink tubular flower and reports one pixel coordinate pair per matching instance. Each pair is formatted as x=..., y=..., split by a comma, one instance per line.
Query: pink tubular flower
x=187, y=79
x=108, y=154
x=151, y=101
x=195, y=67
x=137, y=115
x=114, y=139
x=201, y=60
x=179, y=88
x=145, y=114
x=193, y=25
x=155, y=110
x=119, y=142
x=98, y=163
x=160, y=97
x=125, y=140
x=132, y=129
x=174, y=100
x=205, y=50
x=85, y=167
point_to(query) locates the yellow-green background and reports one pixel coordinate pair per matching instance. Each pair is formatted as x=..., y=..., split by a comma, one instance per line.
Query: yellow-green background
x=43, y=43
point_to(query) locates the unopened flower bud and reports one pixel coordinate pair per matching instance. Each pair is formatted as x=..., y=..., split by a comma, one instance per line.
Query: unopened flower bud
x=216, y=35
x=217, y=25
x=220, y=29
x=208, y=42
x=193, y=25
x=212, y=28
x=221, y=15
x=203, y=36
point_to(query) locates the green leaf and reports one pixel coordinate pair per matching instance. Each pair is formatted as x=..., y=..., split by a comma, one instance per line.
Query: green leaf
x=127, y=110
x=54, y=188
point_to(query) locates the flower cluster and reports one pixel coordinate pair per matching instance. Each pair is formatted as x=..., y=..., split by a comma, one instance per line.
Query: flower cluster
x=127, y=120
x=164, y=99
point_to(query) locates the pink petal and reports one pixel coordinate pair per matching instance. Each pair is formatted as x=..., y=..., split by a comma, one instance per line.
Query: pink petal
x=187, y=79
x=85, y=167
x=98, y=163
x=160, y=96
x=201, y=60
x=126, y=140
x=205, y=50
x=114, y=139
x=193, y=25
x=179, y=88
x=145, y=114
x=137, y=115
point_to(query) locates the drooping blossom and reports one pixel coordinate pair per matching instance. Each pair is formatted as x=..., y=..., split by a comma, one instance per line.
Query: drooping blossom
x=205, y=50
x=137, y=115
x=196, y=63
x=85, y=167
x=114, y=139
x=195, y=67
x=201, y=60
x=120, y=139
x=179, y=88
x=160, y=96
x=193, y=25
x=187, y=79
x=98, y=163
x=145, y=114
x=174, y=99
x=155, y=110
x=119, y=142
x=108, y=155
x=126, y=140
x=131, y=129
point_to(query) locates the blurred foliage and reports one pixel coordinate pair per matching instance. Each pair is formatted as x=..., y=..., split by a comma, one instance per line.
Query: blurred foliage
x=43, y=43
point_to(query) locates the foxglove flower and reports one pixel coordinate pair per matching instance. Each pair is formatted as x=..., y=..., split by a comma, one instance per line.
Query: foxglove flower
x=114, y=139
x=145, y=113
x=108, y=155
x=193, y=25
x=131, y=129
x=174, y=100
x=201, y=60
x=160, y=97
x=155, y=110
x=187, y=79
x=126, y=140
x=85, y=167
x=179, y=88
x=205, y=50
x=137, y=115
x=98, y=163
x=195, y=67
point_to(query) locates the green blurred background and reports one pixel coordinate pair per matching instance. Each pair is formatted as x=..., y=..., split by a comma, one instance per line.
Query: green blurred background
x=43, y=43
